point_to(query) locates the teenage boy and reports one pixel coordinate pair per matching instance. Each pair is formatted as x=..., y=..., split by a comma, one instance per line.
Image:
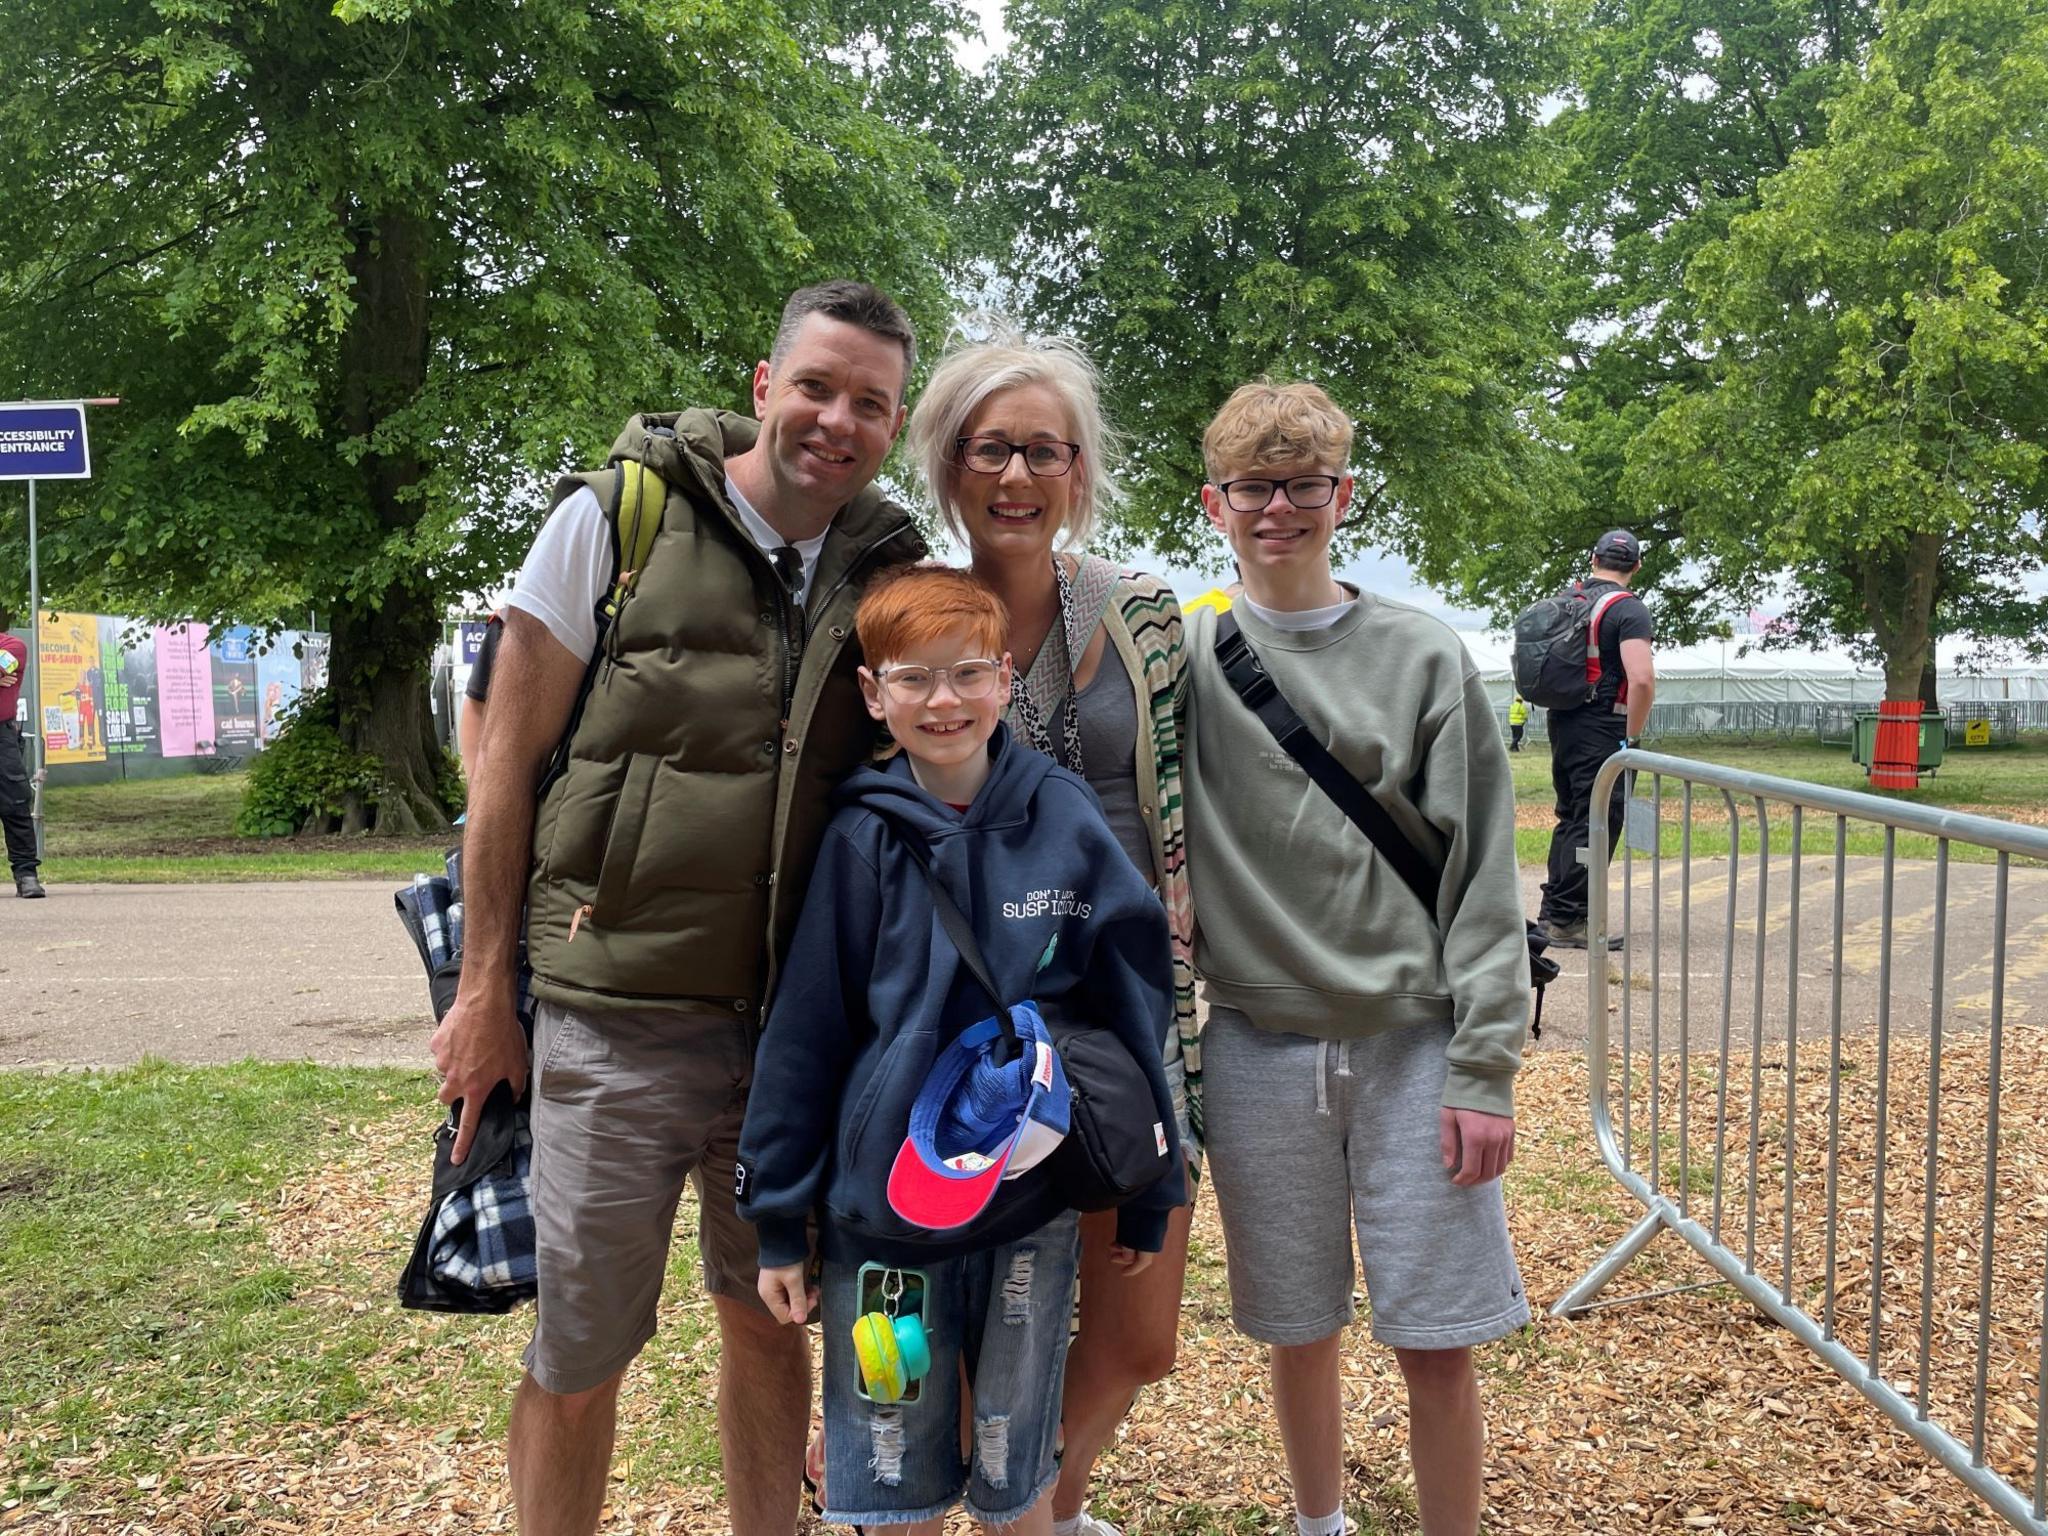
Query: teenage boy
x=1360, y=1052
x=874, y=1007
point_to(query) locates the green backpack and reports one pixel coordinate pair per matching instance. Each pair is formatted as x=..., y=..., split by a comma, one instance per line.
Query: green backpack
x=634, y=512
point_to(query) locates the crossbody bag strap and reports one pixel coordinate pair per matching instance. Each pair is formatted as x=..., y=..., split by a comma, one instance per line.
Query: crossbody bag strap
x=954, y=921
x=1248, y=678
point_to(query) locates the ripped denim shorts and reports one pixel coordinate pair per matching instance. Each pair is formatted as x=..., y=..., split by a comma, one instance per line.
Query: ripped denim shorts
x=1005, y=1314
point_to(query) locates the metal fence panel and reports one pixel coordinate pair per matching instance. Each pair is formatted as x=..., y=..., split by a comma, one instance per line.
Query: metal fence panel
x=1963, y=1377
x=1830, y=724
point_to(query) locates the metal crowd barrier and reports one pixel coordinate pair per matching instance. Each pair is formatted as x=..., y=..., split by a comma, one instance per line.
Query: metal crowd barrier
x=1820, y=1233
x=1829, y=723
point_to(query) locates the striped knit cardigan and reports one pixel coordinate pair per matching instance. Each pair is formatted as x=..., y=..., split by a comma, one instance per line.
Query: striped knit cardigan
x=1144, y=623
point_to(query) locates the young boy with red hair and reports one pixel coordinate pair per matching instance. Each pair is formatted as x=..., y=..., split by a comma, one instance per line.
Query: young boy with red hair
x=877, y=1017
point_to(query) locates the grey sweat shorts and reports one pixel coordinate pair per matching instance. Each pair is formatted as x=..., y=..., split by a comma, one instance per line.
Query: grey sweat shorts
x=627, y=1108
x=1309, y=1138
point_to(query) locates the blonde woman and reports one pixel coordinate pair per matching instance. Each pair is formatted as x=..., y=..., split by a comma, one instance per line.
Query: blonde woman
x=1010, y=437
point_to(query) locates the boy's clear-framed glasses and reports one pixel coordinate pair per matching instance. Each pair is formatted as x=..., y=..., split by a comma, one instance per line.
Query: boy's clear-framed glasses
x=1305, y=493
x=1046, y=458
x=974, y=678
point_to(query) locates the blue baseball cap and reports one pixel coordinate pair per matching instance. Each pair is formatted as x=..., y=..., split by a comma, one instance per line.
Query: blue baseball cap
x=980, y=1119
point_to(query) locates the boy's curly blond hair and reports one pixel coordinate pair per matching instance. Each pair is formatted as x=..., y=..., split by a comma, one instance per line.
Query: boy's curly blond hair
x=1264, y=424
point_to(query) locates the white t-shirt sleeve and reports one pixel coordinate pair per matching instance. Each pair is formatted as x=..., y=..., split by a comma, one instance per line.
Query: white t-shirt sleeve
x=566, y=572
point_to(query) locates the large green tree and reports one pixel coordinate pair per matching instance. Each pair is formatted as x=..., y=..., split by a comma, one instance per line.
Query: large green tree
x=1676, y=118
x=367, y=273
x=1203, y=191
x=1872, y=416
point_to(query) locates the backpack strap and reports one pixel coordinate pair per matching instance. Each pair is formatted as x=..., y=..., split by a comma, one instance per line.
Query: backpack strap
x=1601, y=604
x=635, y=515
x=1605, y=601
x=1247, y=677
x=961, y=933
x=633, y=510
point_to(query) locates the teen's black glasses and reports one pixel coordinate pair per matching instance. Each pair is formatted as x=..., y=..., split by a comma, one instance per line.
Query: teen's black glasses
x=1305, y=493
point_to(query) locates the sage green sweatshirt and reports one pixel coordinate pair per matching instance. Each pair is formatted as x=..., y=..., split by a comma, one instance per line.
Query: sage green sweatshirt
x=1299, y=924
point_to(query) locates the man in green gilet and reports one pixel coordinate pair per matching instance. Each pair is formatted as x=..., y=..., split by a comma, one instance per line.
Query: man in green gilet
x=662, y=868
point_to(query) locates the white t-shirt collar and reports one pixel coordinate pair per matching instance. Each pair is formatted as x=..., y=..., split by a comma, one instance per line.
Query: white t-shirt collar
x=1298, y=621
x=759, y=530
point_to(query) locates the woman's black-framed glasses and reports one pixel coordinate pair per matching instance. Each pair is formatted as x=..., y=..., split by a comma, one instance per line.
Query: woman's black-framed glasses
x=974, y=678
x=1305, y=493
x=1046, y=458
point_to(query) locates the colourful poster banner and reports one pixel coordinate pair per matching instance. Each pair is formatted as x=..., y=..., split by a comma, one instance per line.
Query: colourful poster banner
x=234, y=690
x=73, y=688
x=312, y=661
x=128, y=713
x=278, y=682
x=184, y=686
x=114, y=688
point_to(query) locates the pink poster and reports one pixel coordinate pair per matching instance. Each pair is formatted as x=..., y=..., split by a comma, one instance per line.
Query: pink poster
x=184, y=683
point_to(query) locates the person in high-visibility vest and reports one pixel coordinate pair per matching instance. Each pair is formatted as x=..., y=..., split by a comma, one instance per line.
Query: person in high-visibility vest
x=1518, y=721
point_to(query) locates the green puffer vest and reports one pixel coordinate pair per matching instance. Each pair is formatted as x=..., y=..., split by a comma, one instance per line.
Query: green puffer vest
x=684, y=822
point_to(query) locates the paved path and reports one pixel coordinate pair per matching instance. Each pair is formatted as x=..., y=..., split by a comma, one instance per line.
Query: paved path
x=321, y=970
x=1709, y=979
x=105, y=974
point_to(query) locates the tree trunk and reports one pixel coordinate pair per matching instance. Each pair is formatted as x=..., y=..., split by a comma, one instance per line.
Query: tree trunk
x=383, y=709
x=1898, y=597
x=383, y=640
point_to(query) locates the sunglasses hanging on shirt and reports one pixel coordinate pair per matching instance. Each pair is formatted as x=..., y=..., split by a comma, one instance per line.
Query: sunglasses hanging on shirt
x=789, y=565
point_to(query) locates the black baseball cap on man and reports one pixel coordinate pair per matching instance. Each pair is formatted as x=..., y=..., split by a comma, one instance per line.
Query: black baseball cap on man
x=1617, y=547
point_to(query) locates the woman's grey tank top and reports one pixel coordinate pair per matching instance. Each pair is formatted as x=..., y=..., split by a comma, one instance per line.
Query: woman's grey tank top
x=1108, y=711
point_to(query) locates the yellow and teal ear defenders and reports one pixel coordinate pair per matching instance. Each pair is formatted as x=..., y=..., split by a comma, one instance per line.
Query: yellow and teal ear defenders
x=893, y=1353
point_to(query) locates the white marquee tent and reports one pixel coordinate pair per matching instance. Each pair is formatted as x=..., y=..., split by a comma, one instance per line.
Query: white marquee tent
x=1738, y=672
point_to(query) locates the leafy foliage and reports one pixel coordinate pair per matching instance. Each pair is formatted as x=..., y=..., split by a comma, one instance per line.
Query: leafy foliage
x=1876, y=411
x=369, y=274
x=1203, y=193
x=1676, y=118
x=306, y=775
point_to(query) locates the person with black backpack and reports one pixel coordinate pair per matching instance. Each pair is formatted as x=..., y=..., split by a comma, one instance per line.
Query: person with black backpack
x=1585, y=654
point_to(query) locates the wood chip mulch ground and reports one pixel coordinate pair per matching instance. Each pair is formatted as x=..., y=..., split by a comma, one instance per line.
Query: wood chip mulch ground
x=1686, y=1413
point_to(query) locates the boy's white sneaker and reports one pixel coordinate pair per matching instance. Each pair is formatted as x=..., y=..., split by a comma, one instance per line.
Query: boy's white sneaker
x=1085, y=1524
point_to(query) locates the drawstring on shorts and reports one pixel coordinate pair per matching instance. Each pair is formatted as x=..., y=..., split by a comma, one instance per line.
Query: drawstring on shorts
x=1323, y=1068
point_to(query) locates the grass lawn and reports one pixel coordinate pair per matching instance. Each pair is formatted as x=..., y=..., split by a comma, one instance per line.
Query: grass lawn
x=200, y=1337
x=181, y=829
x=198, y=1267
x=2009, y=783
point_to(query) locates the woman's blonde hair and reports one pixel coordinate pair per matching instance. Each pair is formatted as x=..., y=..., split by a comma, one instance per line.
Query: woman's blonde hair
x=1264, y=424
x=984, y=357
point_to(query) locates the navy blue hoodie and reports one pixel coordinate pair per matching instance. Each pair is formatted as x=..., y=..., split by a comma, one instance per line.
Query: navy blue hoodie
x=873, y=990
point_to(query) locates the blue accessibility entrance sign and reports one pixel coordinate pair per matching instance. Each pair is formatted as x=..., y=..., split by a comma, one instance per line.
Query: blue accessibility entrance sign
x=44, y=442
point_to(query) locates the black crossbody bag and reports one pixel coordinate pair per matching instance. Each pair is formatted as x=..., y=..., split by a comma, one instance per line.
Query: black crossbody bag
x=1117, y=1146
x=1250, y=681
